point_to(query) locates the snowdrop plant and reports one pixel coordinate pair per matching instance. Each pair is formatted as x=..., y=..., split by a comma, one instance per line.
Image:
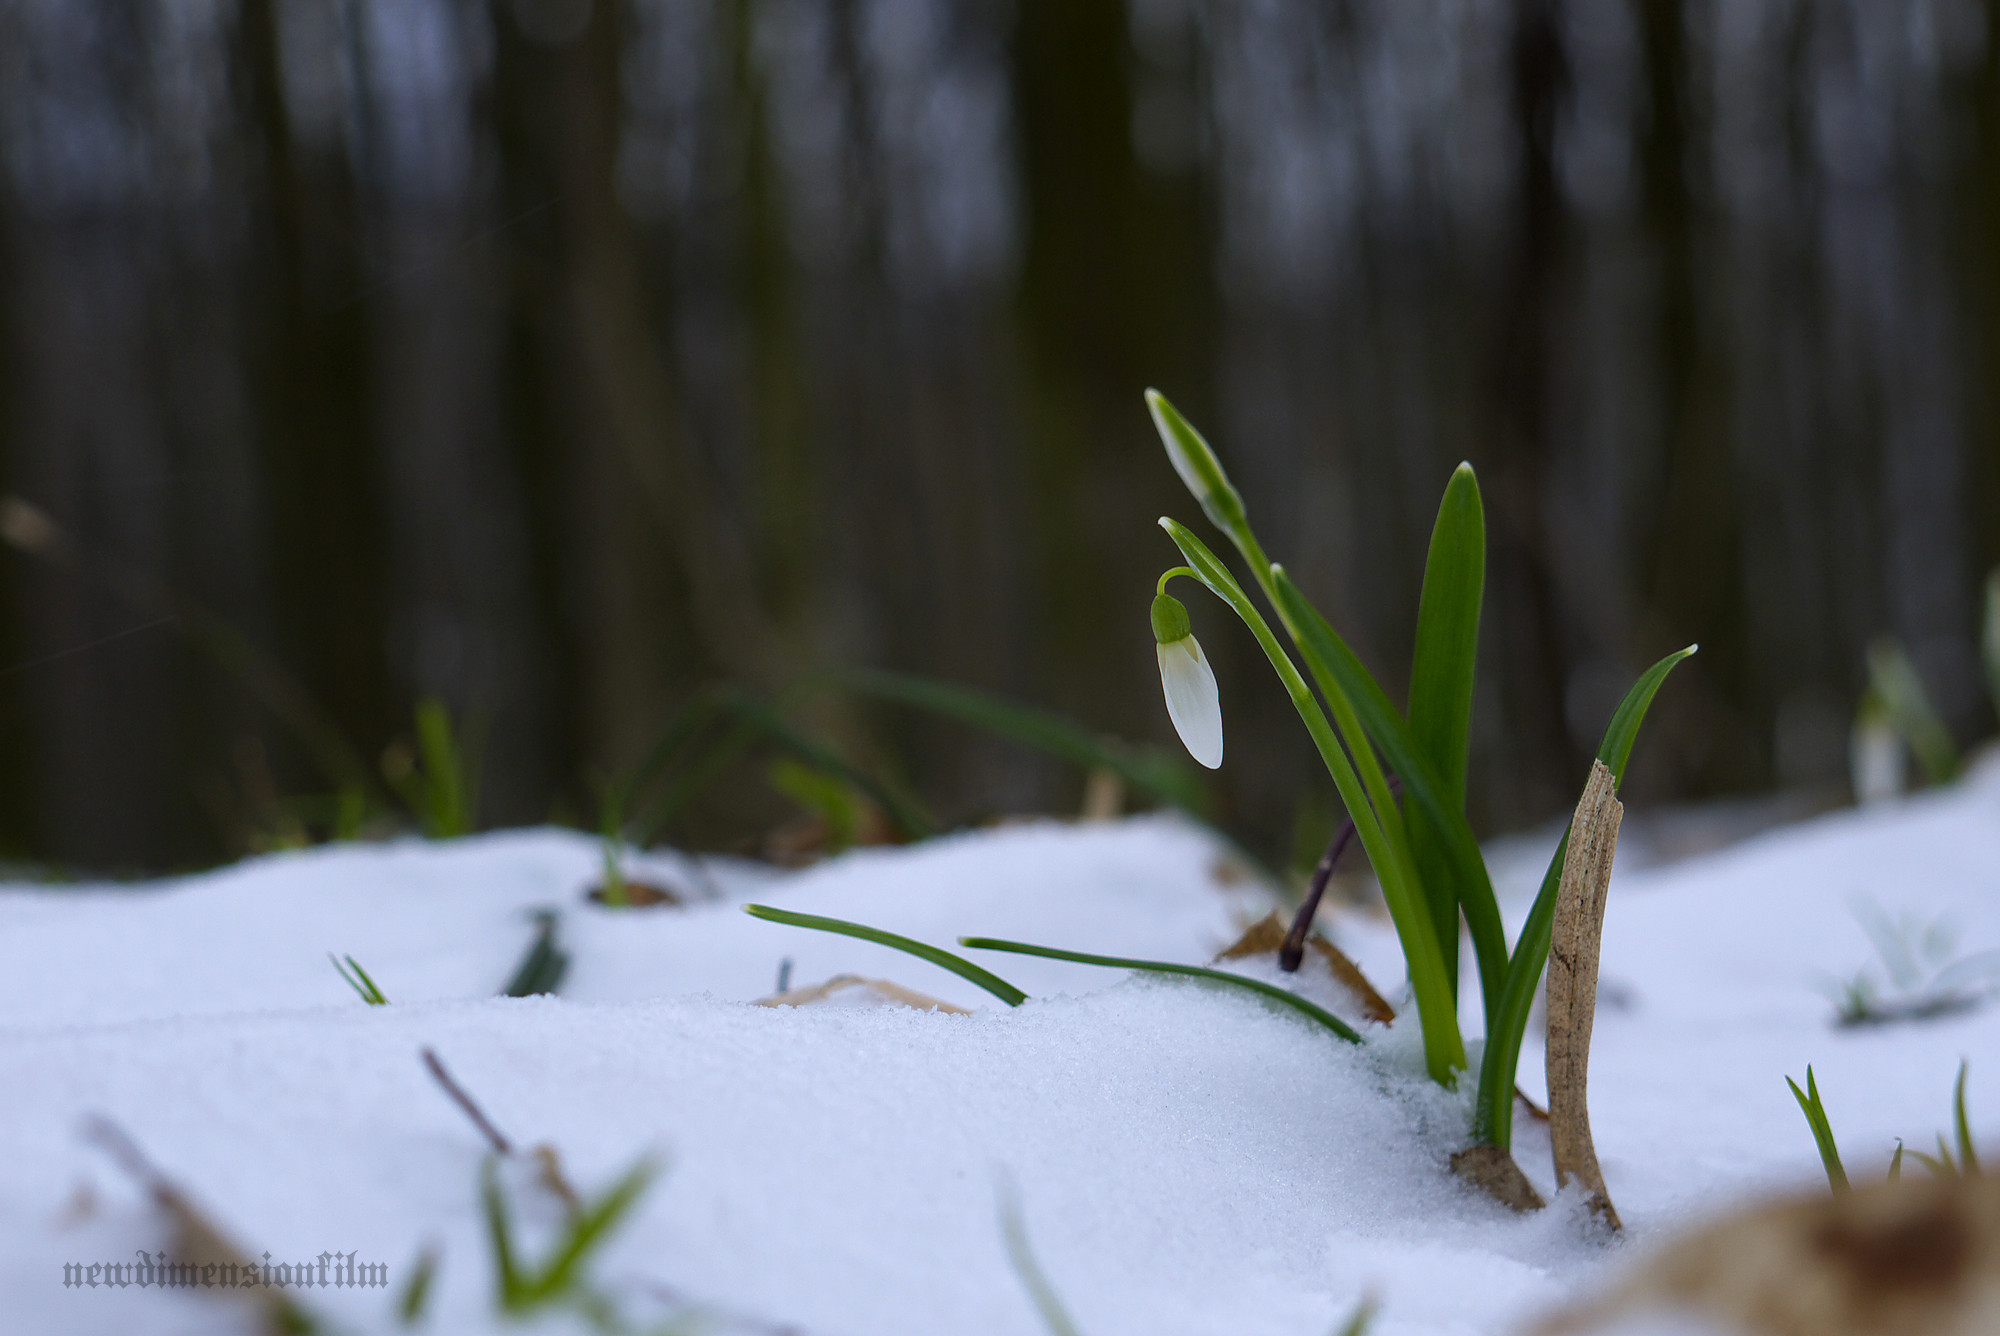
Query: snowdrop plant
x=1423, y=852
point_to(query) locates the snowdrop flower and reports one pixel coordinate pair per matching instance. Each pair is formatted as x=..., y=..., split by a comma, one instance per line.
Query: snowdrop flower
x=1189, y=682
x=1195, y=461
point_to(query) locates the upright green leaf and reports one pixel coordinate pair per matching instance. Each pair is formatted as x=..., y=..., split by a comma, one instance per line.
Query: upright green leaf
x=1893, y=680
x=1441, y=678
x=1493, y=1117
x=1385, y=725
x=1968, y=1158
x=1822, y=1130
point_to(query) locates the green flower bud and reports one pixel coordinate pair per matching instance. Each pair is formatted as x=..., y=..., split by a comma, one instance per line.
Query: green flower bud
x=1170, y=620
x=1195, y=461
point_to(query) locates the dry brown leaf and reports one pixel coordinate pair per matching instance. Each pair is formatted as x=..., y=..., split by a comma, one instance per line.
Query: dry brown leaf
x=1575, y=940
x=1103, y=795
x=640, y=895
x=882, y=988
x=1919, y=1257
x=1267, y=934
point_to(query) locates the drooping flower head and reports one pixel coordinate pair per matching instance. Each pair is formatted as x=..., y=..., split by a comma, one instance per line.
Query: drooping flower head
x=1189, y=683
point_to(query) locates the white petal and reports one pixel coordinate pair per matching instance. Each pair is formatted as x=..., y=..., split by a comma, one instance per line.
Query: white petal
x=1191, y=699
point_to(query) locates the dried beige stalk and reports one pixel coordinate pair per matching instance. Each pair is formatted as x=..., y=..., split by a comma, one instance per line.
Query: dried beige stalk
x=1575, y=939
x=882, y=989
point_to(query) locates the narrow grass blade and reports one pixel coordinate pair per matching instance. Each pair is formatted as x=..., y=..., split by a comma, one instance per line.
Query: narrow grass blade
x=1894, y=681
x=1822, y=1130
x=416, y=1295
x=1362, y=1320
x=1896, y=1163
x=500, y=1235
x=357, y=979
x=448, y=796
x=1151, y=770
x=1968, y=1158
x=1271, y=991
x=753, y=718
x=1493, y=1117
x=590, y=1228
x=1385, y=726
x=958, y=965
x=1015, y=1232
x=541, y=970
x=1441, y=680
x=1940, y=1165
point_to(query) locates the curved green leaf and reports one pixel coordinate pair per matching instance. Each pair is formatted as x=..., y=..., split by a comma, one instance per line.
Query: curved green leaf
x=1276, y=994
x=958, y=965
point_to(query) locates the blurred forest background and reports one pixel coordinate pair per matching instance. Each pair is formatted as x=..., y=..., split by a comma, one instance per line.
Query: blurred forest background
x=555, y=358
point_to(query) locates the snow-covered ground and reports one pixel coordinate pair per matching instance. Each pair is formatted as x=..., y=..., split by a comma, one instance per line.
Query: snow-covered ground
x=1187, y=1160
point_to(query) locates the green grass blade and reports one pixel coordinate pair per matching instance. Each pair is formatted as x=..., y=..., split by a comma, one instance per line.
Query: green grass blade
x=500, y=1235
x=445, y=807
x=357, y=979
x=541, y=970
x=1150, y=770
x=1822, y=1130
x=1441, y=680
x=1968, y=1158
x=1493, y=1117
x=1362, y=1319
x=1896, y=1163
x=1047, y=1303
x=1939, y=1168
x=590, y=1228
x=958, y=965
x=752, y=718
x=1894, y=681
x=1258, y=986
x=415, y=1298
x=1427, y=791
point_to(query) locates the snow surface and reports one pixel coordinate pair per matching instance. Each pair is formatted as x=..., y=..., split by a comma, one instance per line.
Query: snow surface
x=1187, y=1160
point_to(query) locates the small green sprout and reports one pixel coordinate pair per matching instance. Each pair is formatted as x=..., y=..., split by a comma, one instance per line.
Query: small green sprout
x=1022, y=1258
x=1944, y=1164
x=1822, y=1130
x=541, y=970
x=1896, y=697
x=524, y=1289
x=357, y=979
x=1925, y=978
x=416, y=1295
x=439, y=781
